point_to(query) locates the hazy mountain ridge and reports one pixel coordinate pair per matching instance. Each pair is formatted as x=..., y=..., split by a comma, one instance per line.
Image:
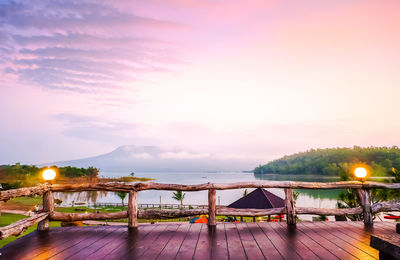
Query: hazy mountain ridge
x=152, y=158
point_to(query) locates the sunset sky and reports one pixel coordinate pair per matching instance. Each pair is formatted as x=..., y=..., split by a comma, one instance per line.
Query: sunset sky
x=237, y=78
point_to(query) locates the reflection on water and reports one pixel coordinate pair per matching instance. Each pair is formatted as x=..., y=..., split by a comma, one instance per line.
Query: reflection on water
x=331, y=194
x=87, y=197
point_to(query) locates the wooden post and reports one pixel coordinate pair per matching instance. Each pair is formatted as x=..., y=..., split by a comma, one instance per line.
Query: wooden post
x=212, y=207
x=365, y=201
x=290, y=207
x=48, y=206
x=133, y=209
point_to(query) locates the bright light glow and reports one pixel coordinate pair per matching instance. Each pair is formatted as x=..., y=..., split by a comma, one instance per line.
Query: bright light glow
x=49, y=175
x=360, y=172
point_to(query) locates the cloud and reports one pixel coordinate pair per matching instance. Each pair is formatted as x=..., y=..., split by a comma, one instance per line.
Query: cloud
x=83, y=46
x=183, y=155
x=141, y=156
x=95, y=128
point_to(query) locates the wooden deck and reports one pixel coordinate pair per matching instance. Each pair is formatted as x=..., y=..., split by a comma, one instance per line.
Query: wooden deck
x=310, y=240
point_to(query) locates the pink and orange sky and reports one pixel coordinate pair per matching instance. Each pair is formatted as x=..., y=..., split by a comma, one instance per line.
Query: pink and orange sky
x=237, y=78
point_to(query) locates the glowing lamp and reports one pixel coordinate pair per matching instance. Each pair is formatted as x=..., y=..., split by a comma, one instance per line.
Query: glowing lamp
x=360, y=172
x=49, y=175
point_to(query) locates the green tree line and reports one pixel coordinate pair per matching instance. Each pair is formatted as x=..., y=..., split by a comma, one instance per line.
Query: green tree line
x=383, y=161
x=18, y=175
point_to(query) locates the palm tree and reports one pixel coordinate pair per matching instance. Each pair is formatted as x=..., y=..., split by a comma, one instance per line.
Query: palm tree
x=122, y=196
x=179, y=196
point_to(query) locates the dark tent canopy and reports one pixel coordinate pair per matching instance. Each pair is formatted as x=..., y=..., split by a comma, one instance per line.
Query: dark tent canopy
x=258, y=199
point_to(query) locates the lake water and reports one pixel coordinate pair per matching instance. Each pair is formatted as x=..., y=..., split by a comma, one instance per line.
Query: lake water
x=307, y=198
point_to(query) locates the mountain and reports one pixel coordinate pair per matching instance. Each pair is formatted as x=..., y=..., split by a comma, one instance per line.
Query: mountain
x=154, y=159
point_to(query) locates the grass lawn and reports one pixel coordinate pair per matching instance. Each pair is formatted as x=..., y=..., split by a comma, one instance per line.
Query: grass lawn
x=7, y=219
x=23, y=203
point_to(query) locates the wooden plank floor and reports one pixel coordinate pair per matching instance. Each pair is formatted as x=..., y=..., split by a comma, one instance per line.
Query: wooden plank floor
x=309, y=240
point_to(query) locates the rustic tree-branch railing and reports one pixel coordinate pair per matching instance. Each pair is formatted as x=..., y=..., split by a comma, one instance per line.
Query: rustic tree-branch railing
x=133, y=213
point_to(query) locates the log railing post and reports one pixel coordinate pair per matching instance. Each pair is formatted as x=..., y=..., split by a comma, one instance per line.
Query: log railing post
x=133, y=209
x=290, y=207
x=212, y=207
x=365, y=201
x=48, y=206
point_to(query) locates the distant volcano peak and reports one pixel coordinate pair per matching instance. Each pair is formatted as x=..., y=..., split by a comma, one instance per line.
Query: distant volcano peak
x=153, y=158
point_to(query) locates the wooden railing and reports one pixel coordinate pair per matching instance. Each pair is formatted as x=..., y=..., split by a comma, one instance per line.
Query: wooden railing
x=133, y=213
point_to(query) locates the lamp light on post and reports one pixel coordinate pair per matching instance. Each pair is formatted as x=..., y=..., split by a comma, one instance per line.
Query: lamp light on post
x=48, y=200
x=360, y=173
x=49, y=175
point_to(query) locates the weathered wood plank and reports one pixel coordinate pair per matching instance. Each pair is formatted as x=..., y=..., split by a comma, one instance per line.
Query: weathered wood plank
x=203, y=247
x=365, y=201
x=60, y=239
x=235, y=246
x=132, y=240
x=157, y=245
x=398, y=228
x=212, y=207
x=387, y=244
x=60, y=216
x=315, y=235
x=188, y=247
x=29, y=245
x=316, y=248
x=133, y=209
x=353, y=232
x=172, y=247
x=285, y=249
x=89, y=238
x=111, y=245
x=352, y=249
x=250, y=245
x=385, y=206
x=379, y=226
x=143, y=244
x=249, y=212
x=219, y=247
x=332, y=229
x=97, y=249
x=388, y=224
x=164, y=214
x=29, y=191
x=17, y=228
x=289, y=235
x=328, y=212
x=143, y=214
x=119, y=186
x=267, y=248
x=290, y=206
x=326, y=240
x=48, y=206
